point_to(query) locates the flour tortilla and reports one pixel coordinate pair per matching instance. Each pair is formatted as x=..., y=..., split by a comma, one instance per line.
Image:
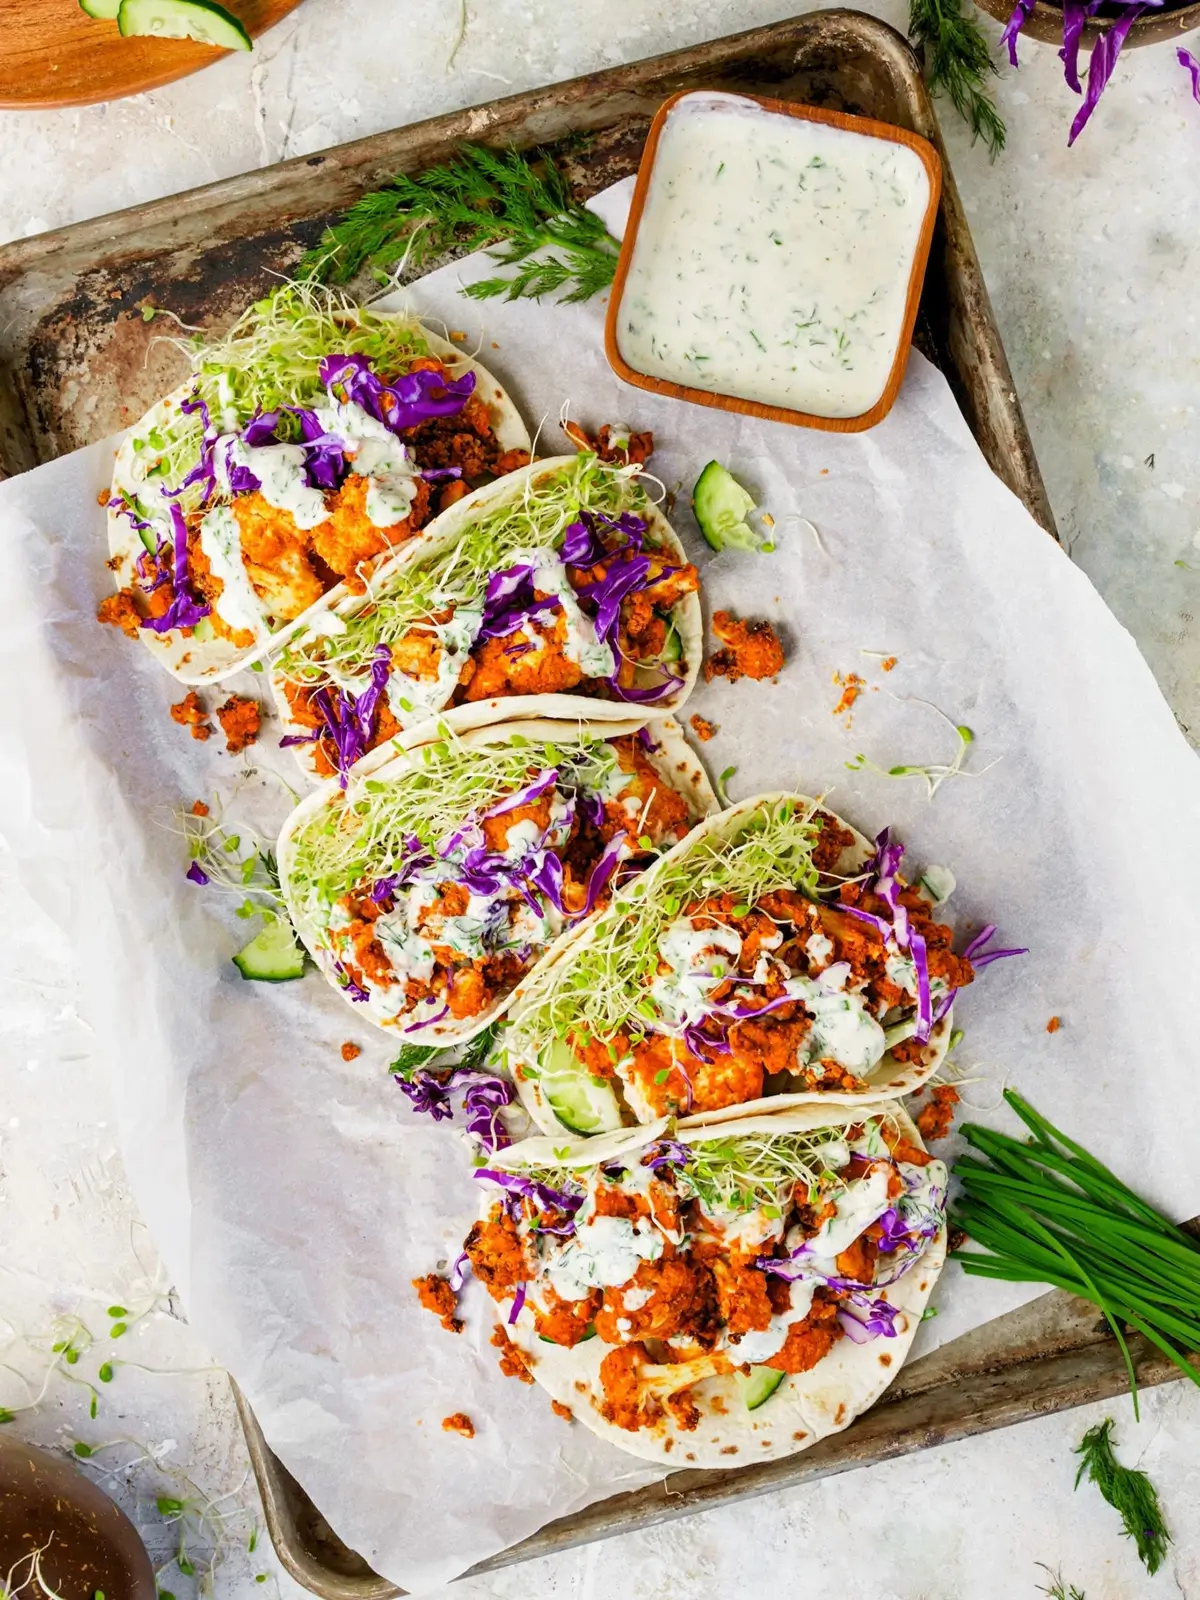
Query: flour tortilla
x=211, y=660
x=440, y=535
x=807, y=1406
x=674, y=758
x=890, y=1078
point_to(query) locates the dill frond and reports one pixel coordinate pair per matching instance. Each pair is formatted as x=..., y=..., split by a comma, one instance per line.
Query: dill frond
x=958, y=62
x=1128, y=1491
x=518, y=205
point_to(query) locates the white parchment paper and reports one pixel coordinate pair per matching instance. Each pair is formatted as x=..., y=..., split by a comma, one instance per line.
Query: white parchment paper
x=293, y=1194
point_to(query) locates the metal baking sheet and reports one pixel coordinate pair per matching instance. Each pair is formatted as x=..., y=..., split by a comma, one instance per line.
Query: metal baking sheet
x=78, y=361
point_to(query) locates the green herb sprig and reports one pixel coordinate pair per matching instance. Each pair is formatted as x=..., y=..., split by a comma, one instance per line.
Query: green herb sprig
x=958, y=62
x=519, y=204
x=1128, y=1491
x=1046, y=1211
x=1059, y=1590
x=470, y=1057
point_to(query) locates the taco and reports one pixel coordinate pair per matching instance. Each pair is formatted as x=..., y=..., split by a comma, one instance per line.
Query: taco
x=560, y=591
x=443, y=871
x=719, y=1295
x=309, y=443
x=775, y=953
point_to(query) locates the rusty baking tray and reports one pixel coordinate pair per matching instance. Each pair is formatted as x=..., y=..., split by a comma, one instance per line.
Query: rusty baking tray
x=78, y=361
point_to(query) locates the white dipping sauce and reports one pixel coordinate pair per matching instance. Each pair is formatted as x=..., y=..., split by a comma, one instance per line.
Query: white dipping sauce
x=773, y=257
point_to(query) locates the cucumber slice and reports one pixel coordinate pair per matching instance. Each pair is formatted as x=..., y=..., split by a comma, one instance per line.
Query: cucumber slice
x=672, y=650
x=202, y=20
x=578, y=1101
x=276, y=956
x=106, y=10
x=758, y=1388
x=721, y=505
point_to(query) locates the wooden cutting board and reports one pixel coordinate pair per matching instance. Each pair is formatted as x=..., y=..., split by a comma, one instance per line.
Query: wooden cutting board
x=51, y=54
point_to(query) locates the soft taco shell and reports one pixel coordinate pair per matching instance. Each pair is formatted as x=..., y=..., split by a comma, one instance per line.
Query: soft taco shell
x=674, y=758
x=807, y=1406
x=890, y=1078
x=210, y=660
x=445, y=531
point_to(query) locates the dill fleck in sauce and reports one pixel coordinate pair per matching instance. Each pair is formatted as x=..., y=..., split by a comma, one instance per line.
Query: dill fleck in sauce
x=773, y=258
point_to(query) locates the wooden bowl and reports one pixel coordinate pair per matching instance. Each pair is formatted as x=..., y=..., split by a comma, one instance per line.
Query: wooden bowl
x=1163, y=25
x=90, y=1544
x=54, y=55
x=756, y=408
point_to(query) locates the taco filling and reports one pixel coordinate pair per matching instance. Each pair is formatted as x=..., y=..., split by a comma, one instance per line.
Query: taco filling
x=709, y=1254
x=779, y=955
x=566, y=587
x=315, y=439
x=433, y=885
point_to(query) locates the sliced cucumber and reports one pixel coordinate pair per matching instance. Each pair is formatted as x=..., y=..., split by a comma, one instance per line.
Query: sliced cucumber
x=672, y=650
x=202, y=20
x=578, y=1100
x=721, y=506
x=276, y=956
x=106, y=10
x=758, y=1388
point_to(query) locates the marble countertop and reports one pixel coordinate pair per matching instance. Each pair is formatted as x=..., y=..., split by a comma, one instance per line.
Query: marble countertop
x=1091, y=256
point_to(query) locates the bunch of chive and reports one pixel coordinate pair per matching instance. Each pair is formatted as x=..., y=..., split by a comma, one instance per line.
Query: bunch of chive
x=1046, y=1211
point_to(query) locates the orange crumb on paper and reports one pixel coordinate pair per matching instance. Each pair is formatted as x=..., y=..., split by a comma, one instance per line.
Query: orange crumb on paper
x=512, y=1361
x=702, y=727
x=199, y=809
x=562, y=1411
x=935, y=1118
x=495, y=346
x=458, y=335
x=240, y=719
x=351, y=1051
x=189, y=713
x=459, y=1421
x=1054, y=1025
x=102, y=498
x=852, y=686
x=436, y=1295
x=824, y=472
x=887, y=664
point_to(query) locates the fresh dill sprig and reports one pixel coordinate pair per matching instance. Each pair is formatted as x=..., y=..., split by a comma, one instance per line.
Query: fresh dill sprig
x=469, y=1057
x=958, y=61
x=1127, y=1490
x=519, y=204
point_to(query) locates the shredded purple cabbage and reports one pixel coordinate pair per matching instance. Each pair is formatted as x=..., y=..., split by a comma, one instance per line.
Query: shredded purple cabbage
x=546, y=779
x=980, y=958
x=196, y=874
x=541, y=1194
x=484, y=1096
x=1100, y=66
x=511, y=601
x=457, y=1275
x=185, y=610
x=413, y=398
x=1191, y=66
x=289, y=739
x=518, y=1302
x=427, y=1022
x=603, y=870
x=350, y=720
x=667, y=1153
x=864, y=1319
x=1022, y=11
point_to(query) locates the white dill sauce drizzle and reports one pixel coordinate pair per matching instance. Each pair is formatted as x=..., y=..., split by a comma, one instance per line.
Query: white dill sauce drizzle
x=773, y=257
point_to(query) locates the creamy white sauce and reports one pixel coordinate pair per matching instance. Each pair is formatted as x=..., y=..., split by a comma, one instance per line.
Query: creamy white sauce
x=857, y=1207
x=409, y=955
x=379, y=457
x=773, y=257
x=746, y=1231
x=221, y=541
x=818, y=947
x=279, y=469
x=414, y=700
x=605, y=1252
x=760, y=1345
x=634, y=1299
x=699, y=959
x=593, y=657
x=843, y=1029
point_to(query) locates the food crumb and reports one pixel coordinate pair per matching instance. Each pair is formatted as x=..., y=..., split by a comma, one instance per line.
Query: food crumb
x=436, y=1295
x=512, y=1361
x=459, y=1422
x=102, y=498
x=351, y=1051
x=1054, y=1025
x=240, y=719
x=851, y=686
x=752, y=650
x=114, y=563
x=199, y=809
x=562, y=1411
x=458, y=335
x=495, y=346
x=887, y=663
x=934, y=1119
x=702, y=727
x=189, y=713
